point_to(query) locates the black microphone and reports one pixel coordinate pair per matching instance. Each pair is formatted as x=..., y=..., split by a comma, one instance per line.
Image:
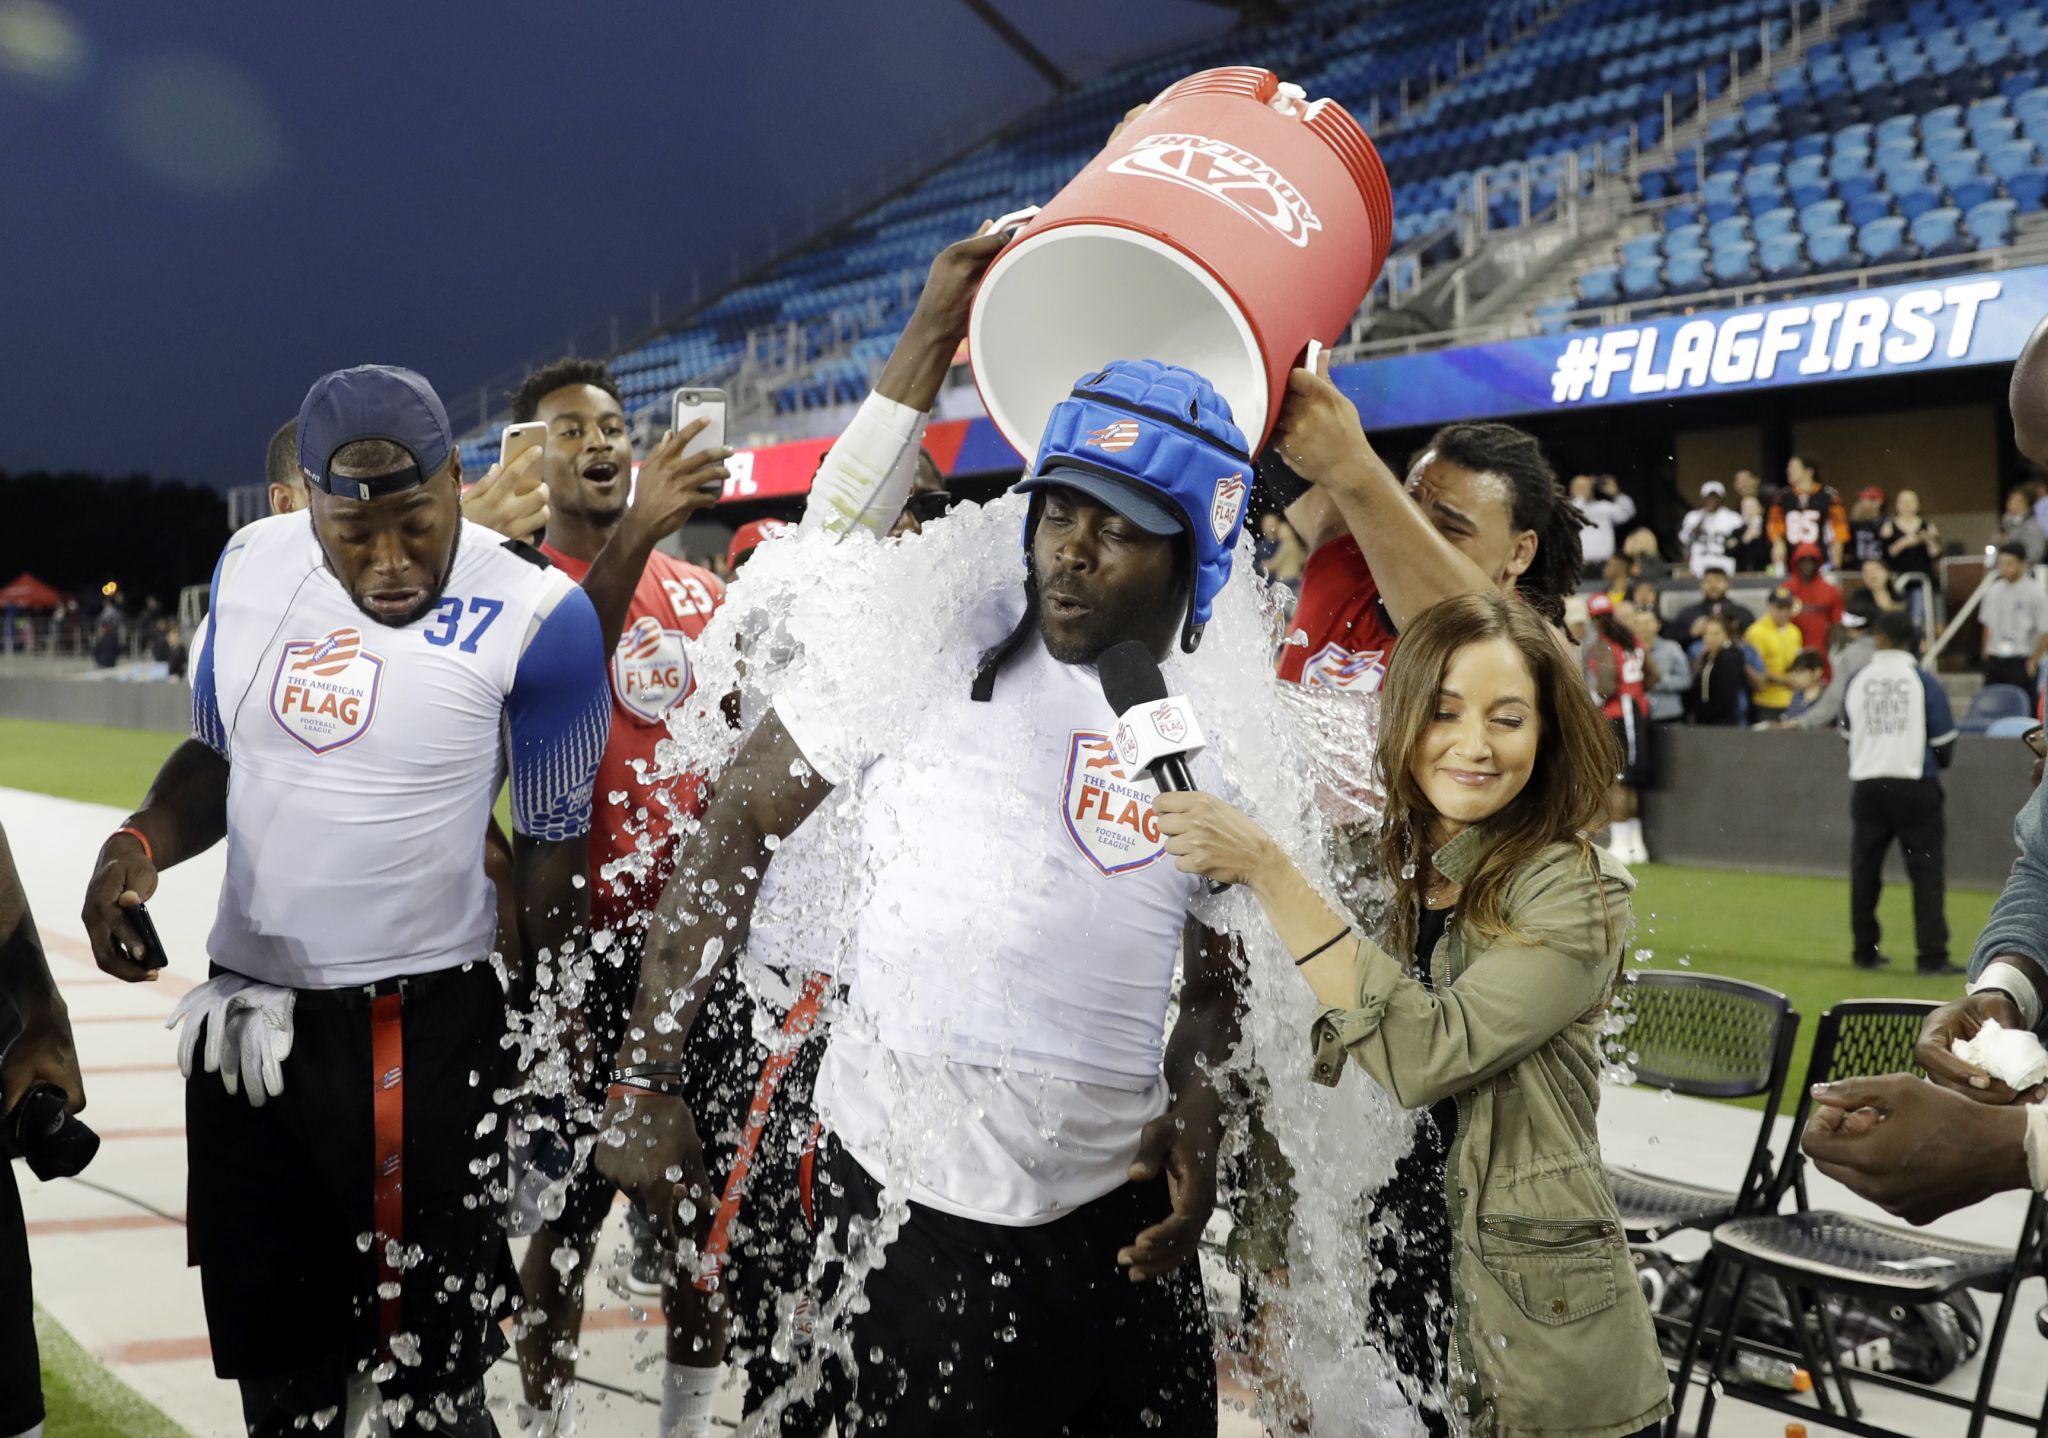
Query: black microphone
x=1131, y=679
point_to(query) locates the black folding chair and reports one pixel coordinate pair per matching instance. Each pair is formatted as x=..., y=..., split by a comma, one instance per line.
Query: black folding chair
x=1704, y=1037
x=1813, y=1254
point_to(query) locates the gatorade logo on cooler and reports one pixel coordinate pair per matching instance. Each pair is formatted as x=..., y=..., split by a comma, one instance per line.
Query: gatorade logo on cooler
x=1107, y=809
x=1224, y=172
x=650, y=668
x=1225, y=507
x=324, y=693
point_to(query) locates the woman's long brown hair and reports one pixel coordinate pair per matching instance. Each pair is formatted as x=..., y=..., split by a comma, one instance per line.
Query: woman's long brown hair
x=1566, y=796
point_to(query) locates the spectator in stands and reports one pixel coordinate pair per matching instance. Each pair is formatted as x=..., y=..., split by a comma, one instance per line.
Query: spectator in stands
x=1617, y=575
x=1718, y=693
x=1645, y=556
x=106, y=640
x=1707, y=532
x=1689, y=625
x=1820, y=602
x=1777, y=641
x=1866, y=519
x=169, y=649
x=1809, y=670
x=1600, y=499
x=1845, y=663
x=1748, y=486
x=2019, y=526
x=1620, y=672
x=1880, y=593
x=2014, y=614
x=1643, y=594
x=1751, y=547
x=1911, y=544
x=1806, y=512
x=1901, y=736
x=1666, y=657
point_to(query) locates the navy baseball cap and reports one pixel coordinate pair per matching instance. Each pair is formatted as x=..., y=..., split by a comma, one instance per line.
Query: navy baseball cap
x=373, y=401
x=1138, y=503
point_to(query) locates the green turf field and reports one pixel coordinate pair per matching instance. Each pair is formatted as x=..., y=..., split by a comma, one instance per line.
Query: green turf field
x=84, y=1400
x=99, y=766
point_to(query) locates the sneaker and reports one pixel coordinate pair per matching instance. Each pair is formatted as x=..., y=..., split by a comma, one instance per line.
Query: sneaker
x=1942, y=969
x=649, y=1265
x=1872, y=960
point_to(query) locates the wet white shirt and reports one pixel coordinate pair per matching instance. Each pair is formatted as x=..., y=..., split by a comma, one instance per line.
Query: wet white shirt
x=1014, y=958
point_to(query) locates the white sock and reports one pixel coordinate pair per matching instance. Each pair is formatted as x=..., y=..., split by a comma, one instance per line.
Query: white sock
x=686, y=1394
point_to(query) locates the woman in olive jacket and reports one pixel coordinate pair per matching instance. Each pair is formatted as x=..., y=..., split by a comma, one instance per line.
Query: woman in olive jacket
x=1509, y=1295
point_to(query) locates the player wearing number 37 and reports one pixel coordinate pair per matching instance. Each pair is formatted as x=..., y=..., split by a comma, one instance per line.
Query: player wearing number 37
x=1513, y=1301
x=373, y=669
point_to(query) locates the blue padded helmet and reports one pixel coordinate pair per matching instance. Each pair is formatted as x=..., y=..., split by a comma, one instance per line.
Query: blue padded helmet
x=1156, y=443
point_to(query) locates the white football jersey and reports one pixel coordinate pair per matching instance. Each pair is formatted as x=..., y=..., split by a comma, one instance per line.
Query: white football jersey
x=364, y=758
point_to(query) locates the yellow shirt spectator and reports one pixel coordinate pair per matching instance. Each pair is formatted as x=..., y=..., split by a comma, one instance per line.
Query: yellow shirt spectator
x=1777, y=641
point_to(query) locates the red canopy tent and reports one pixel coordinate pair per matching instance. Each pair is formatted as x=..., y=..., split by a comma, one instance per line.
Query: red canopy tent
x=26, y=591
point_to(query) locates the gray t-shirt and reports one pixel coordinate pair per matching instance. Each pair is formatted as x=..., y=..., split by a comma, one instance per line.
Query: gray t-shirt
x=2015, y=616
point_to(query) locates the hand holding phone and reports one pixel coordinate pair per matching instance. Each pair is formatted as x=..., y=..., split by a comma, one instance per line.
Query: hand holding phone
x=686, y=473
x=511, y=498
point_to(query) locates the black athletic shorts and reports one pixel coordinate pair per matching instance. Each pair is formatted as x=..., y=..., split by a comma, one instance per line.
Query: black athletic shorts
x=1022, y=1332
x=1637, y=737
x=282, y=1198
x=21, y=1384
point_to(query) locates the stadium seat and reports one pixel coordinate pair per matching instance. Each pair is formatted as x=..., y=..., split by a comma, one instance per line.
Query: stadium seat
x=2012, y=726
x=1680, y=216
x=1808, y=146
x=1897, y=128
x=1938, y=233
x=1912, y=203
x=1762, y=179
x=1600, y=285
x=1641, y=249
x=1821, y=216
x=1685, y=237
x=1988, y=135
x=2029, y=188
x=1685, y=273
x=1553, y=315
x=1808, y=181
x=1993, y=702
x=1642, y=280
x=1831, y=248
x=1883, y=242
x=1783, y=257
x=1730, y=231
x=1772, y=223
x=1720, y=197
x=1940, y=144
x=1991, y=223
x=2010, y=159
x=1865, y=208
x=1734, y=264
x=1857, y=183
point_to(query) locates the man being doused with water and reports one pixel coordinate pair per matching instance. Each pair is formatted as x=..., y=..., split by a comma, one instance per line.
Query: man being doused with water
x=1000, y=1063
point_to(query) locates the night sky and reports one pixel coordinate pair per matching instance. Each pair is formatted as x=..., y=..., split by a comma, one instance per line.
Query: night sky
x=204, y=207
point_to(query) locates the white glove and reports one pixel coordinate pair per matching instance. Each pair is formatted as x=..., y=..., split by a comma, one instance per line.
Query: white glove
x=248, y=1033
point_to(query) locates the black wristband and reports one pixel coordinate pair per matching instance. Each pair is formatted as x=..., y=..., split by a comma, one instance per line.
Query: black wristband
x=1343, y=933
x=639, y=1075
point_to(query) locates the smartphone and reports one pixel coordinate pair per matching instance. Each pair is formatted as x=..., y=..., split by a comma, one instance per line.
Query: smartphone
x=519, y=438
x=692, y=405
x=153, y=955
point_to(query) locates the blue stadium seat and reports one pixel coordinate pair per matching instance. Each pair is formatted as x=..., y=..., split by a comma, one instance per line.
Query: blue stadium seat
x=1771, y=152
x=1898, y=127
x=1960, y=166
x=1970, y=193
x=1853, y=137
x=1685, y=237
x=1908, y=174
x=1988, y=135
x=1991, y=223
x=1858, y=183
x=1831, y=248
x=1734, y=264
x=1995, y=702
x=1854, y=161
x=1600, y=285
x=1912, y=203
x=1730, y=231
x=1865, y=208
x=1772, y=223
x=1679, y=216
x=1762, y=179
x=1685, y=273
x=1939, y=233
x=1720, y=197
x=1940, y=144
x=1642, y=248
x=2009, y=159
x=1782, y=257
x=1643, y=280
x=1807, y=145
x=1553, y=315
x=1883, y=242
x=2029, y=188
x=1807, y=179
x=1825, y=215
x=1893, y=153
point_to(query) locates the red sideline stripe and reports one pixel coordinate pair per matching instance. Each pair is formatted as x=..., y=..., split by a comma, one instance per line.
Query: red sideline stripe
x=158, y=1350
x=173, y=1131
x=113, y=1222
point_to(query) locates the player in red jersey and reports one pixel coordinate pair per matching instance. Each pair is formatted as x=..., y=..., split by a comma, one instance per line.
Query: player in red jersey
x=1807, y=512
x=1620, y=673
x=1481, y=509
x=651, y=607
